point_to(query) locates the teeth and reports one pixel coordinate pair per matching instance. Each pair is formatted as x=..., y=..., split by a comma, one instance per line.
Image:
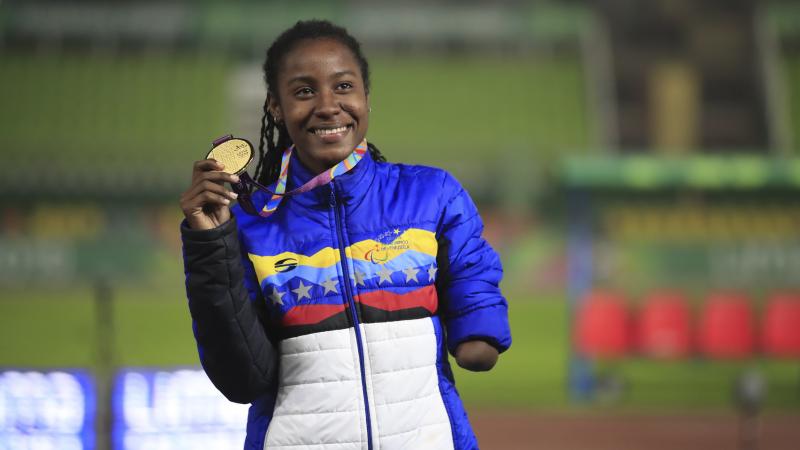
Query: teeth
x=326, y=131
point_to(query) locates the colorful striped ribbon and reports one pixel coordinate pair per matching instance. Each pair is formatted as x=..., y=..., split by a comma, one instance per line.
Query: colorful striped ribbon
x=279, y=188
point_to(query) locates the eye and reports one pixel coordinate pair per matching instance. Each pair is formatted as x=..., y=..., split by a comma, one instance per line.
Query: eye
x=344, y=85
x=304, y=92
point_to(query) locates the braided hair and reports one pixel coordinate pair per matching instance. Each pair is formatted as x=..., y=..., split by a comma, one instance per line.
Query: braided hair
x=274, y=133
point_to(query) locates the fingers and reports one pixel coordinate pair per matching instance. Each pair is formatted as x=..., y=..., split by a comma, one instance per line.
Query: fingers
x=207, y=191
x=217, y=177
x=205, y=199
x=204, y=202
x=211, y=187
x=209, y=169
x=205, y=165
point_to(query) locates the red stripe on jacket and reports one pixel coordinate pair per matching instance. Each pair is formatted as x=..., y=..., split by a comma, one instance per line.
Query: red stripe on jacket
x=424, y=297
x=310, y=314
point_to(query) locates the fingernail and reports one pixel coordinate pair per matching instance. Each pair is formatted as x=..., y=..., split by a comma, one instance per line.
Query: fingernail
x=235, y=178
x=226, y=201
x=233, y=194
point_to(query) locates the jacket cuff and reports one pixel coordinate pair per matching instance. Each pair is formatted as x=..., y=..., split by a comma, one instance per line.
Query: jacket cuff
x=213, y=234
x=489, y=324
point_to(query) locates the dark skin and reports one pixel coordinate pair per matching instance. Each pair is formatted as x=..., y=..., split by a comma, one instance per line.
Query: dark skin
x=323, y=102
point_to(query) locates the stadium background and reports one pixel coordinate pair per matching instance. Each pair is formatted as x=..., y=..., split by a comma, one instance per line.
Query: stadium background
x=667, y=129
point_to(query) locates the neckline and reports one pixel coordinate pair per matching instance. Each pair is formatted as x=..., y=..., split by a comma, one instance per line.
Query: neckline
x=350, y=185
x=307, y=182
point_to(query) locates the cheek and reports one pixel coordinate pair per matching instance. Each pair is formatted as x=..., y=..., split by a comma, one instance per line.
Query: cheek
x=296, y=119
x=361, y=110
x=293, y=114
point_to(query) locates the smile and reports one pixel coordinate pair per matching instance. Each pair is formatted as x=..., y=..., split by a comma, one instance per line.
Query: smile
x=330, y=131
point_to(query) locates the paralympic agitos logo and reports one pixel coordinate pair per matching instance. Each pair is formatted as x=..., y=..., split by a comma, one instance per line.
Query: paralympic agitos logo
x=377, y=254
x=285, y=265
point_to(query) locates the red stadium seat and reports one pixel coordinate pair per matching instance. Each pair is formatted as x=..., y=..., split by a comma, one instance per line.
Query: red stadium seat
x=602, y=326
x=726, y=327
x=780, y=336
x=664, y=326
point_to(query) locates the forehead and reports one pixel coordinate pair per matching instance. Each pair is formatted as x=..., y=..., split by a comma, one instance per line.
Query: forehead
x=318, y=58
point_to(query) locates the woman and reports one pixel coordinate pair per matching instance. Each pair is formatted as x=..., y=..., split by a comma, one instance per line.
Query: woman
x=332, y=311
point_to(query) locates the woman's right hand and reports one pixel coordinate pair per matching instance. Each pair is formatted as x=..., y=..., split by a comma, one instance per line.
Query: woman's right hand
x=206, y=203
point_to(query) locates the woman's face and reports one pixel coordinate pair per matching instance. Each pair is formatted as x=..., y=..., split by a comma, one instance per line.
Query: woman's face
x=322, y=100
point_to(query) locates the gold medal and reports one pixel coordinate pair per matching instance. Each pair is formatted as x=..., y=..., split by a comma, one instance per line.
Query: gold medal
x=234, y=153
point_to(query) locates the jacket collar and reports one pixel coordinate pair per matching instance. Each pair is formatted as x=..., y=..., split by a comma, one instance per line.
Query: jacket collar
x=350, y=186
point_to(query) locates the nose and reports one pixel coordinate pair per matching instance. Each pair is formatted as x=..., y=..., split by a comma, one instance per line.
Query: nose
x=328, y=104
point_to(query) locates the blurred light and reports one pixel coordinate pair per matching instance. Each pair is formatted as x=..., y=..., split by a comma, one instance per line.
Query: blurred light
x=46, y=410
x=174, y=410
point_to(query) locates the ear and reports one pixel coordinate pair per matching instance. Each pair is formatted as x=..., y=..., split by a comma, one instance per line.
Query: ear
x=274, y=107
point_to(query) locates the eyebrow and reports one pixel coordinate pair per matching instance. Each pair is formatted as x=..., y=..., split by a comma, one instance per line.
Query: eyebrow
x=310, y=79
x=343, y=72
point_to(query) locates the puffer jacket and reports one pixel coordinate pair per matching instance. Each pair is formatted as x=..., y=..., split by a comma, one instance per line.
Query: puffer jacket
x=357, y=289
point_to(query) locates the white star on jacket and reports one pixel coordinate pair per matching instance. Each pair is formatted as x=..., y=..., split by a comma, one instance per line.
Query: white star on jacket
x=411, y=274
x=302, y=291
x=432, y=272
x=276, y=296
x=360, y=278
x=330, y=285
x=385, y=275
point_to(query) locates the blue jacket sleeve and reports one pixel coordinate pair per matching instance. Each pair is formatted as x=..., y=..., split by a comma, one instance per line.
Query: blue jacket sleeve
x=469, y=275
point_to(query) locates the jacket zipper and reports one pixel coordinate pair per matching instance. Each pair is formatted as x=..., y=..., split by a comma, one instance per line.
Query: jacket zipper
x=351, y=304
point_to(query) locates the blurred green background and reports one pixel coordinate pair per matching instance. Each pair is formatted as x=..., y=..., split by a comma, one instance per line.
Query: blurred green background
x=523, y=101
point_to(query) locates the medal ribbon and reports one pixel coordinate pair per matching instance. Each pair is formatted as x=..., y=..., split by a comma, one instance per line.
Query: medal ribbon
x=279, y=188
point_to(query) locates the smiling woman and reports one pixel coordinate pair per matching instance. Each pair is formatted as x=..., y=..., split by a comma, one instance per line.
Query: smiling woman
x=322, y=100
x=333, y=309
x=317, y=82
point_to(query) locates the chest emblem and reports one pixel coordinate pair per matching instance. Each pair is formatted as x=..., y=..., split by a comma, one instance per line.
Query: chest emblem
x=387, y=245
x=378, y=254
x=285, y=265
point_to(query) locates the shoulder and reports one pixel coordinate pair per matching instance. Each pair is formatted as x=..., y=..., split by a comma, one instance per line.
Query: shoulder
x=433, y=179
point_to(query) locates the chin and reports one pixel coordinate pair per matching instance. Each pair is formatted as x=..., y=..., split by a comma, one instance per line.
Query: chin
x=335, y=154
x=321, y=156
x=323, y=159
